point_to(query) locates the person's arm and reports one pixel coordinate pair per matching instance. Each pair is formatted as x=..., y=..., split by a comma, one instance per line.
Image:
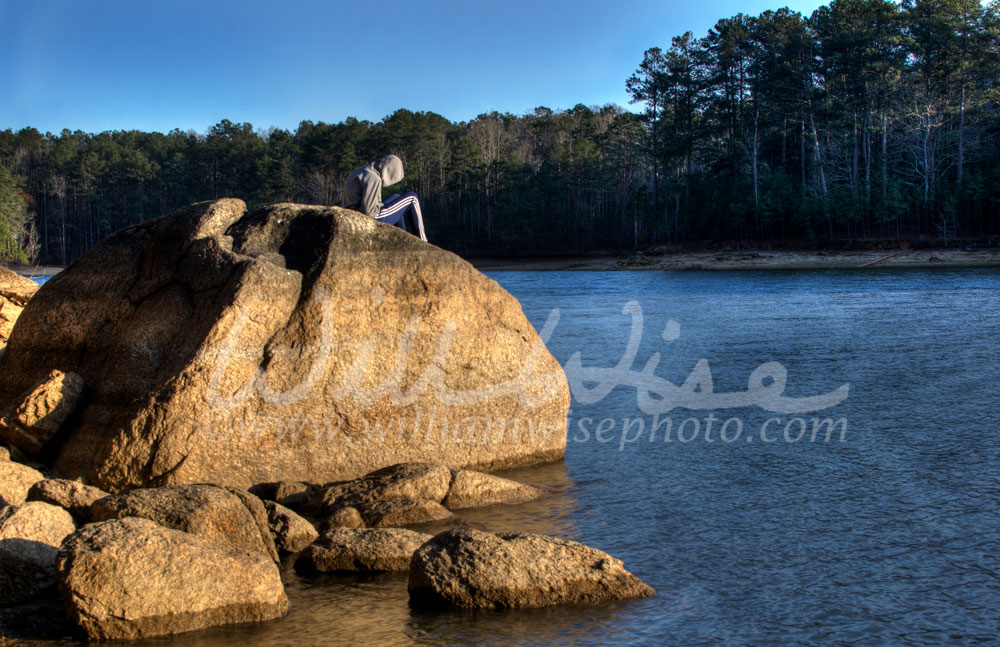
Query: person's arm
x=371, y=199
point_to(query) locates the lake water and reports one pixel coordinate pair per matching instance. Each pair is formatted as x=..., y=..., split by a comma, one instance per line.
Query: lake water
x=887, y=533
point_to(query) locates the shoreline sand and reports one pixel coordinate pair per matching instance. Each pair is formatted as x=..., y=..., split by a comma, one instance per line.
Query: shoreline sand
x=750, y=260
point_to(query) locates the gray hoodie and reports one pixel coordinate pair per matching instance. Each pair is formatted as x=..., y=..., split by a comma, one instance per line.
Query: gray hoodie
x=363, y=190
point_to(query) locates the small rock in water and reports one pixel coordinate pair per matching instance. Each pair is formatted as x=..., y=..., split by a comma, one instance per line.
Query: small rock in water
x=393, y=513
x=364, y=549
x=474, y=489
x=343, y=518
x=291, y=532
x=413, y=481
x=133, y=578
x=471, y=569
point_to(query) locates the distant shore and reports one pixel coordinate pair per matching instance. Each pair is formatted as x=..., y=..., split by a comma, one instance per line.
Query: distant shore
x=33, y=271
x=751, y=260
x=737, y=260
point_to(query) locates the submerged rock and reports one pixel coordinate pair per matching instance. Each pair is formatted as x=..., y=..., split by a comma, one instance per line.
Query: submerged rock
x=293, y=343
x=343, y=518
x=15, y=481
x=30, y=536
x=37, y=414
x=363, y=549
x=291, y=532
x=132, y=578
x=474, y=489
x=471, y=569
x=218, y=514
x=15, y=292
x=72, y=496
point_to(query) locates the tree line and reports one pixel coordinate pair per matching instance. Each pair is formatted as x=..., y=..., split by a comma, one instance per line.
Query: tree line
x=866, y=120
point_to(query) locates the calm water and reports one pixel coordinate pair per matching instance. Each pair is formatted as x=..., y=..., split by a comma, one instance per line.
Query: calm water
x=890, y=536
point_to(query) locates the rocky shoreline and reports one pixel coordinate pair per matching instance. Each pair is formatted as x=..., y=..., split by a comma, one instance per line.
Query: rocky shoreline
x=158, y=561
x=122, y=516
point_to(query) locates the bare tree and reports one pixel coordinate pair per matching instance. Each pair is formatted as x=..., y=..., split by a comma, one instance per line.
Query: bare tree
x=321, y=187
x=28, y=240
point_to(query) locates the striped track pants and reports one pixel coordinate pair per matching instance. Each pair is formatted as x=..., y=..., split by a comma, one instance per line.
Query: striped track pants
x=396, y=209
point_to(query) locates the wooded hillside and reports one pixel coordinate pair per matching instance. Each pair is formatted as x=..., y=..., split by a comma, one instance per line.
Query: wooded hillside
x=866, y=120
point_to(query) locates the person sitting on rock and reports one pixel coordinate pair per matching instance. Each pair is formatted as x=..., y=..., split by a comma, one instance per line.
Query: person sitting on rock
x=363, y=192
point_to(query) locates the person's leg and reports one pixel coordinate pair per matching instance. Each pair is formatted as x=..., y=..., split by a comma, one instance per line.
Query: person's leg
x=418, y=216
x=391, y=216
x=407, y=204
x=395, y=218
x=414, y=216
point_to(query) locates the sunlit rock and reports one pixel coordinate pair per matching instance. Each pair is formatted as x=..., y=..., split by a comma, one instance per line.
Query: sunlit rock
x=293, y=343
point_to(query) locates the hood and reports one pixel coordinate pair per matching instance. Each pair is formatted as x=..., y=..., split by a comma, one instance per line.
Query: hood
x=390, y=168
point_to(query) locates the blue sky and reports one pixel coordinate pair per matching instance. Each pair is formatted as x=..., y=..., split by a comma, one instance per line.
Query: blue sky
x=99, y=65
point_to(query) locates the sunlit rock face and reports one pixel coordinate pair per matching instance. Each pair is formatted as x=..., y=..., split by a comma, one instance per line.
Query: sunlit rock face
x=15, y=292
x=294, y=343
x=471, y=569
x=133, y=578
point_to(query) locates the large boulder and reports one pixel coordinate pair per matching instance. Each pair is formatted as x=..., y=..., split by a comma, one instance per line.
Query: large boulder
x=36, y=416
x=30, y=536
x=15, y=292
x=472, y=569
x=73, y=496
x=360, y=550
x=15, y=481
x=293, y=343
x=132, y=578
x=219, y=514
